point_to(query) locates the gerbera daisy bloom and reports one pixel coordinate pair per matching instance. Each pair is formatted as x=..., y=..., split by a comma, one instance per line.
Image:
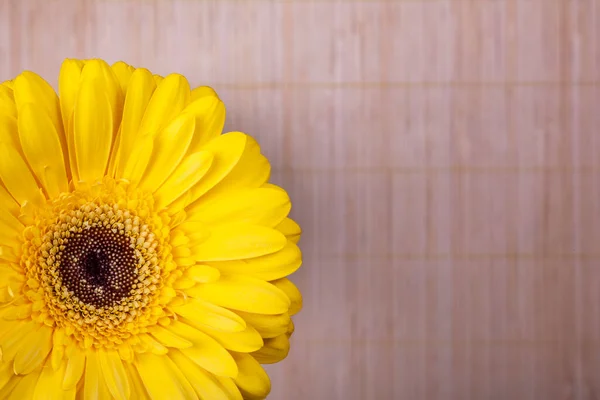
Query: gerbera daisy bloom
x=143, y=253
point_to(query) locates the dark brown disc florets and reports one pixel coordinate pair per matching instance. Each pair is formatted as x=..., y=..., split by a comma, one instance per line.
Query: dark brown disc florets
x=99, y=266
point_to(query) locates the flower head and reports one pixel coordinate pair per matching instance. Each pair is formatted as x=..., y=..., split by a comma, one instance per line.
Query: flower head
x=143, y=253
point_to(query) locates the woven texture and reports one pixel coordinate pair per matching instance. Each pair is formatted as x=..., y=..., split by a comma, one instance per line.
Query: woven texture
x=443, y=159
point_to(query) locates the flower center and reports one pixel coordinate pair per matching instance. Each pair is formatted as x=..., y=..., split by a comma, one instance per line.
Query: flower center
x=97, y=261
x=98, y=266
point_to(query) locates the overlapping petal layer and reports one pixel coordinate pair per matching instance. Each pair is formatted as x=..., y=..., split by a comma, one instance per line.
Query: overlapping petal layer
x=122, y=157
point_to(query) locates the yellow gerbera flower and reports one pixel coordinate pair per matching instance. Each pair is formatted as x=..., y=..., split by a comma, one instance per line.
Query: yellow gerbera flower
x=142, y=253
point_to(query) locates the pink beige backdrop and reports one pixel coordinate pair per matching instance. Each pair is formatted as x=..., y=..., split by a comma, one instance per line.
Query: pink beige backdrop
x=443, y=159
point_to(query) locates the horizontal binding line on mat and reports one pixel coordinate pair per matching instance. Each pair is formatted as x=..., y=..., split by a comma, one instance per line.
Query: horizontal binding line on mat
x=403, y=343
x=456, y=256
x=397, y=84
x=340, y=2
x=467, y=169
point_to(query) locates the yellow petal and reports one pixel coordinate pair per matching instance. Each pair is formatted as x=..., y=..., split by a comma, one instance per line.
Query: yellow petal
x=48, y=387
x=137, y=385
x=94, y=386
x=181, y=251
x=202, y=91
x=13, y=262
x=42, y=148
x=170, y=146
x=158, y=79
x=123, y=73
x=178, y=238
x=206, y=385
x=113, y=157
x=10, y=386
x=168, y=338
x=8, y=254
x=6, y=295
x=290, y=329
x=7, y=101
x=183, y=283
x=274, y=350
x=152, y=345
x=257, y=206
x=186, y=175
x=245, y=341
x=114, y=373
x=72, y=150
x=183, y=260
x=140, y=89
x=237, y=242
x=268, y=326
x=11, y=229
x=290, y=229
x=15, y=173
x=69, y=80
x=162, y=378
x=272, y=266
x=15, y=287
x=32, y=88
x=194, y=231
x=206, y=314
x=6, y=373
x=292, y=292
x=7, y=272
x=244, y=294
x=74, y=371
x=251, y=170
x=202, y=273
x=230, y=386
x=9, y=132
x=25, y=388
x=126, y=352
x=206, y=352
x=100, y=72
x=8, y=203
x=93, y=126
x=8, y=330
x=58, y=343
x=13, y=341
x=171, y=96
x=209, y=114
x=227, y=150
x=138, y=159
x=252, y=380
x=32, y=355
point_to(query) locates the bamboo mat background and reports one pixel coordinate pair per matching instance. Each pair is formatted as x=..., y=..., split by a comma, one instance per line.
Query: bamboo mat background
x=443, y=159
